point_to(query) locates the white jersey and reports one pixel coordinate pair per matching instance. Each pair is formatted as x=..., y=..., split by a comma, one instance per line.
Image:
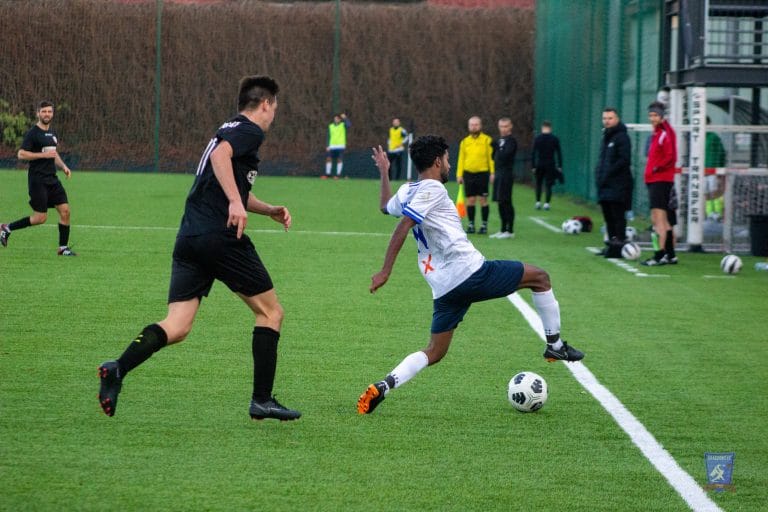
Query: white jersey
x=446, y=257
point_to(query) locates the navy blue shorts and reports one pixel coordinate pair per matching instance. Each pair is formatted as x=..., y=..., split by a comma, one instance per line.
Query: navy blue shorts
x=334, y=154
x=495, y=279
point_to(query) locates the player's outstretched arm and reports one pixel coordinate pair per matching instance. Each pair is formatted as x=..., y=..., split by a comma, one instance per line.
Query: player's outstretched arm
x=380, y=278
x=382, y=164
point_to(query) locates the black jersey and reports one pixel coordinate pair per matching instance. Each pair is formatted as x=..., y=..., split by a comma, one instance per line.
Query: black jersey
x=37, y=140
x=504, y=150
x=207, y=207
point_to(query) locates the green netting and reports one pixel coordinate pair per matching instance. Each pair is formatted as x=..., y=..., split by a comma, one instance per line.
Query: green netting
x=591, y=54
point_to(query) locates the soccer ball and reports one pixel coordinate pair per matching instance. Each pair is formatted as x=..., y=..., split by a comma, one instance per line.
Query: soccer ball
x=730, y=264
x=527, y=392
x=630, y=251
x=630, y=233
x=571, y=227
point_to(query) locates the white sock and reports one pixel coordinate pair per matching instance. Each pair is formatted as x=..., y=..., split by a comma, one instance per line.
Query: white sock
x=549, y=311
x=328, y=168
x=409, y=367
x=338, y=168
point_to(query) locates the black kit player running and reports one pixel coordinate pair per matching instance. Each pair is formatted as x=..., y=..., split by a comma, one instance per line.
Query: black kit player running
x=211, y=245
x=39, y=148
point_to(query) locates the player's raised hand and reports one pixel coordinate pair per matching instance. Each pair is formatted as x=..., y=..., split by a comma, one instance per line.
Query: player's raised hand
x=282, y=215
x=238, y=217
x=381, y=160
x=378, y=280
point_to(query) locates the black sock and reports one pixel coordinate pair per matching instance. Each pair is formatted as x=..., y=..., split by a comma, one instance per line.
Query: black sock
x=151, y=339
x=484, y=213
x=264, y=347
x=658, y=254
x=19, y=224
x=63, y=235
x=471, y=214
x=669, y=244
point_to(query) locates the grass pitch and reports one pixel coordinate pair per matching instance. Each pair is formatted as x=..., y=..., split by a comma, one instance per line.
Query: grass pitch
x=686, y=354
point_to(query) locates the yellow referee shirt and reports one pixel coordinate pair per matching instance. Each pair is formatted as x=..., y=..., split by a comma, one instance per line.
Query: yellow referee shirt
x=475, y=155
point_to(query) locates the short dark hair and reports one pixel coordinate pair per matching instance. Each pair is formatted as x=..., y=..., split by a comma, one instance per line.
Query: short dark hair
x=43, y=104
x=255, y=89
x=611, y=109
x=547, y=124
x=426, y=149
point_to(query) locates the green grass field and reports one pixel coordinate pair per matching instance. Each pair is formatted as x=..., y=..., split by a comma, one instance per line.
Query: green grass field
x=686, y=354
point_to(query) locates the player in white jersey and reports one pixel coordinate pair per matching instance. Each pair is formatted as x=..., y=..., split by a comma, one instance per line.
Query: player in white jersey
x=458, y=273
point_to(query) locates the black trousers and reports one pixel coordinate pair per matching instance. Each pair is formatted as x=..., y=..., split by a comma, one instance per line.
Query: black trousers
x=615, y=222
x=544, y=179
x=395, y=165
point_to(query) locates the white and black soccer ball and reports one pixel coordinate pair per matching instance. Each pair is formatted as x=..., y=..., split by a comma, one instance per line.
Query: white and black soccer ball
x=527, y=392
x=630, y=251
x=730, y=264
x=630, y=233
x=571, y=227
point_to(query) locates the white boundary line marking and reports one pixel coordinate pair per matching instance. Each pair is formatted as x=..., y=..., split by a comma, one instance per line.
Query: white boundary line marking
x=268, y=231
x=543, y=223
x=626, y=266
x=682, y=482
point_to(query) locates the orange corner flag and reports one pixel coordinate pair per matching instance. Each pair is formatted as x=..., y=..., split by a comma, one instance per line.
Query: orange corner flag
x=460, y=202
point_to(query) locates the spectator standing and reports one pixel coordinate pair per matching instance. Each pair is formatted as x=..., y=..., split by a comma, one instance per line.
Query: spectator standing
x=396, y=139
x=614, y=180
x=504, y=150
x=547, y=163
x=337, y=143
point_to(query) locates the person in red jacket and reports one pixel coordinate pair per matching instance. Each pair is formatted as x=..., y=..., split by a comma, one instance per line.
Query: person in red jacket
x=660, y=178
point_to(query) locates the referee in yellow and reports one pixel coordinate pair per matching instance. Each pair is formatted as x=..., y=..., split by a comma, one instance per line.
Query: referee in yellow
x=475, y=170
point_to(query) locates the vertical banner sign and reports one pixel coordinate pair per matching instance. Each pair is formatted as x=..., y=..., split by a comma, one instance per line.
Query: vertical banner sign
x=719, y=471
x=698, y=117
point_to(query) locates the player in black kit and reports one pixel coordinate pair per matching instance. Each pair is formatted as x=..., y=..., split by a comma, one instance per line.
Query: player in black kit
x=211, y=245
x=45, y=189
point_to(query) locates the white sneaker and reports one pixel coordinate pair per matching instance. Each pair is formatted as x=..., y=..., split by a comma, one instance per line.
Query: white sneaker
x=538, y=205
x=546, y=206
x=495, y=235
x=506, y=234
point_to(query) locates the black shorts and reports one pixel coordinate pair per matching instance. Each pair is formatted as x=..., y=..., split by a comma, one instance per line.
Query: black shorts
x=659, y=194
x=45, y=194
x=476, y=183
x=198, y=260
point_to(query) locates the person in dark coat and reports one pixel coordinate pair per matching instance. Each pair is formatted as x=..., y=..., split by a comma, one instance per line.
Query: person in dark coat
x=614, y=180
x=547, y=160
x=504, y=149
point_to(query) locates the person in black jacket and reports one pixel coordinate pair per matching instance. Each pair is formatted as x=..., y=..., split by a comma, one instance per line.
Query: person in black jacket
x=504, y=149
x=614, y=180
x=547, y=163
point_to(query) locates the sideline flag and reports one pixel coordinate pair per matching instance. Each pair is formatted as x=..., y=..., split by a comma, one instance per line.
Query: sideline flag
x=460, y=202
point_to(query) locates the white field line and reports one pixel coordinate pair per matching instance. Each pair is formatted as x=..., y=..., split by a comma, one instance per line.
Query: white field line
x=682, y=482
x=267, y=231
x=543, y=223
x=624, y=265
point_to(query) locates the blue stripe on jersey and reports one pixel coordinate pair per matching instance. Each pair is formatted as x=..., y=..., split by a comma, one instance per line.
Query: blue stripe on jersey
x=206, y=155
x=416, y=216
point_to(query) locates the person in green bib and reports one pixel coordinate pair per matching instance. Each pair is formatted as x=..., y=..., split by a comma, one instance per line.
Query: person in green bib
x=396, y=139
x=337, y=143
